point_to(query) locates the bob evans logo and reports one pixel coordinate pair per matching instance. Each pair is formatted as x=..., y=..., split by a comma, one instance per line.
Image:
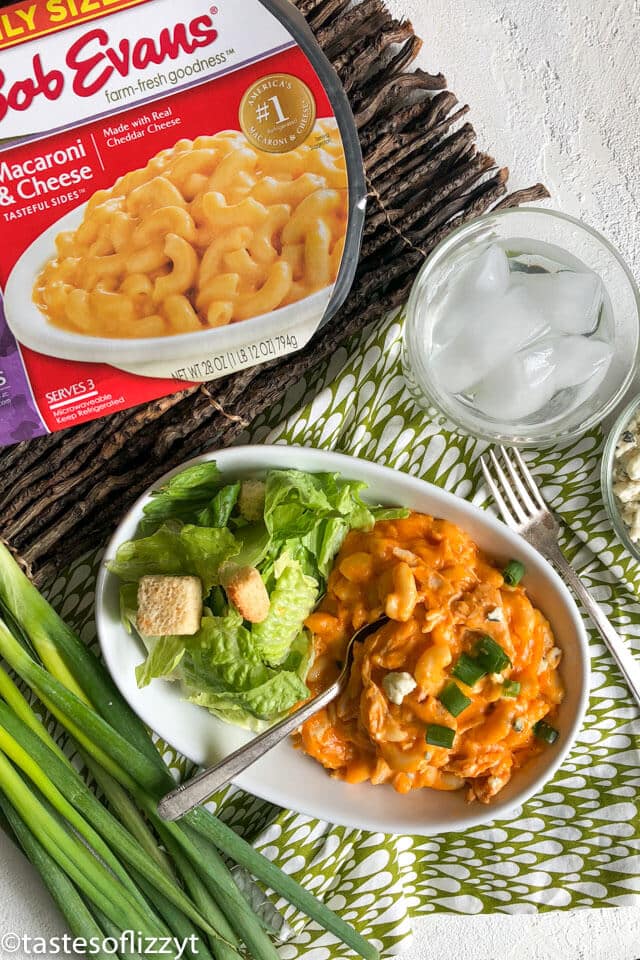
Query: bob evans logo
x=92, y=61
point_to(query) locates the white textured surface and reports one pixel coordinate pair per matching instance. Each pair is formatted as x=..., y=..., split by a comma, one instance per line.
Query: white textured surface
x=555, y=89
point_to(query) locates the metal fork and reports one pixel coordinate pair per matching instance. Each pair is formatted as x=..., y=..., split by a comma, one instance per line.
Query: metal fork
x=195, y=791
x=525, y=511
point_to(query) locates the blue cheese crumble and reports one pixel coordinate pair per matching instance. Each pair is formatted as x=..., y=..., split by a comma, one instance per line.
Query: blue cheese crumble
x=397, y=686
x=626, y=476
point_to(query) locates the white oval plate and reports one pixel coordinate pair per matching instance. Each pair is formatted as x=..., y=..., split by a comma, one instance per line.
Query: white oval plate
x=154, y=356
x=289, y=778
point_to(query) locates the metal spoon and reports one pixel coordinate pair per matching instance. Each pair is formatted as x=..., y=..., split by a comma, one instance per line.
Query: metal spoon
x=194, y=792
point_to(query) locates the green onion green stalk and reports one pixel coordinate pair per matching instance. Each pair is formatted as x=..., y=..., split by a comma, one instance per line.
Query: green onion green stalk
x=69, y=795
x=80, y=920
x=80, y=863
x=206, y=903
x=73, y=685
x=453, y=699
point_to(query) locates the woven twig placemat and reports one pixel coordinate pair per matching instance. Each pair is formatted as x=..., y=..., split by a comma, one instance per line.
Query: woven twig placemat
x=60, y=494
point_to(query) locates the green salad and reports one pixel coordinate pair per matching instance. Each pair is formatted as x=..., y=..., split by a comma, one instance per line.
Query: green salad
x=221, y=577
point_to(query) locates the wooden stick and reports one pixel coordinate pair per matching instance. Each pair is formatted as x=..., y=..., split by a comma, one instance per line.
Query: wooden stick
x=388, y=92
x=528, y=195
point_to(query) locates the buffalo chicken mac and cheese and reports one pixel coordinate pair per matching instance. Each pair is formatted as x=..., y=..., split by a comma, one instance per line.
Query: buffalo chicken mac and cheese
x=212, y=231
x=456, y=689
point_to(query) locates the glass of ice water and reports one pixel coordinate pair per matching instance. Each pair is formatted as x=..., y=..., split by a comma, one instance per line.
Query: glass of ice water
x=523, y=327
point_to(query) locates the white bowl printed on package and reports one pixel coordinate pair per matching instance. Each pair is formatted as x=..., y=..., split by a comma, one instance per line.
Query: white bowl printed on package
x=182, y=197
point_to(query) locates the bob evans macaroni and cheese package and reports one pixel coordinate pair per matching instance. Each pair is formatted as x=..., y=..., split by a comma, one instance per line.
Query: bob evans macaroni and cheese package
x=181, y=196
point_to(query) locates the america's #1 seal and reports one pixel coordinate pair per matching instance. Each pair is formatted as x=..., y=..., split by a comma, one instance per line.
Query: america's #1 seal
x=277, y=113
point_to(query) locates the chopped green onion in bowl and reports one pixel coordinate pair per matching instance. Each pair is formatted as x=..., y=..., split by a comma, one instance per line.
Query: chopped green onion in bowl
x=513, y=573
x=468, y=670
x=511, y=689
x=490, y=655
x=544, y=731
x=453, y=699
x=439, y=736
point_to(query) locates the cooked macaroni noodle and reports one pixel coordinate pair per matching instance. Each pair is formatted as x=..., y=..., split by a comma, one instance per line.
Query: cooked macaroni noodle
x=210, y=232
x=442, y=595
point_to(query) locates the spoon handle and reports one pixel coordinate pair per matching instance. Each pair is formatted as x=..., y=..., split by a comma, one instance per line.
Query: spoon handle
x=195, y=791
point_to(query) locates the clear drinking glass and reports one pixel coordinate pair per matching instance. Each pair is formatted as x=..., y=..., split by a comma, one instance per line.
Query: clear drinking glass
x=530, y=234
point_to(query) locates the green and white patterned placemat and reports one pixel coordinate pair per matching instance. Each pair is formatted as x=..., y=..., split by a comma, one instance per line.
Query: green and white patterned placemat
x=576, y=844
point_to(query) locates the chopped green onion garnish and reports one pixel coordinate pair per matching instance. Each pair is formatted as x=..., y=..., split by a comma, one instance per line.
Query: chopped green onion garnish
x=468, y=670
x=453, y=699
x=491, y=656
x=511, y=689
x=544, y=731
x=439, y=736
x=513, y=573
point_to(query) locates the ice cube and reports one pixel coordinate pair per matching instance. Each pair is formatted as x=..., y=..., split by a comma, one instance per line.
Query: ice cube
x=528, y=381
x=486, y=274
x=519, y=387
x=500, y=326
x=580, y=359
x=570, y=301
x=489, y=273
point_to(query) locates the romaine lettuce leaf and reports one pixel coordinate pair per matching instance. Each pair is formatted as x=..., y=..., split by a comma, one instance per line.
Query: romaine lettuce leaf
x=183, y=497
x=246, y=674
x=313, y=513
x=300, y=656
x=324, y=543
x=255, y=543
x=223, y=671
x=390, y=513
x=295, y=501
x=128, y=605
x=165, y=654
x=268, y=701
x=218, y=512
x=213, y=653
x=293, y=598
x=176, y=550
x=217, y=602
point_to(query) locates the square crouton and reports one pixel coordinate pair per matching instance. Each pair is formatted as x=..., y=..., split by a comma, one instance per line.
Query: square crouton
x=169, y=606
x=246, y=591
x=251, y=500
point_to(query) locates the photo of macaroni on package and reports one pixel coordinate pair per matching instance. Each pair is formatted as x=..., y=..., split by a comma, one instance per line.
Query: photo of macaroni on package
x=181, y=197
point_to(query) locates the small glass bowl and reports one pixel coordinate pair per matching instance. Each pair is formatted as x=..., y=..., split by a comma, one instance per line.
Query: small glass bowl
x=582, y=247
x=608, y=462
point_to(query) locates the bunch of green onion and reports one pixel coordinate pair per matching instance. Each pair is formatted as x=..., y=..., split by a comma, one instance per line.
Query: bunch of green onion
x=111, y=864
